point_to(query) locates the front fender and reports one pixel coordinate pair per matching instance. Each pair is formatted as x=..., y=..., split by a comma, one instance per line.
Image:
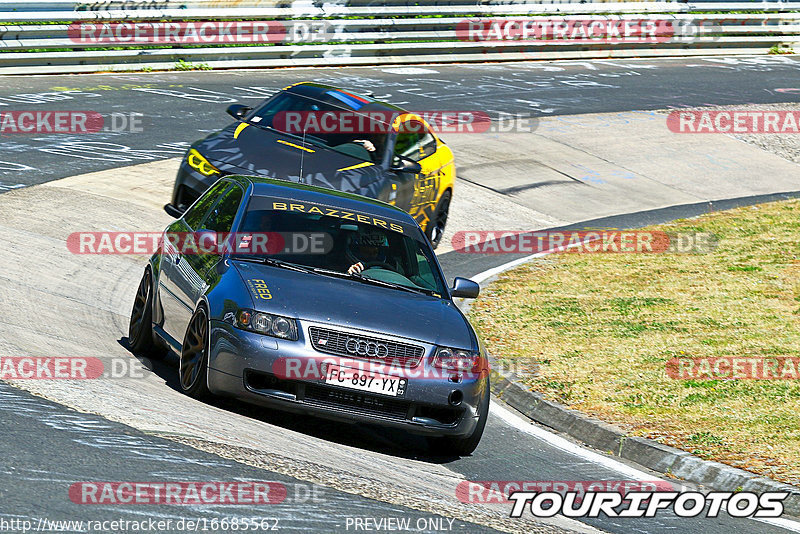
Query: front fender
x=227, y=293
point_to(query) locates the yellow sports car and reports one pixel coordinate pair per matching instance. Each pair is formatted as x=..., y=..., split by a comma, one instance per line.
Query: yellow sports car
x=320, y=135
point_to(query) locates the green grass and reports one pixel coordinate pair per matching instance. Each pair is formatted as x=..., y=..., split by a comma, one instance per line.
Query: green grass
x=185, y=65
x=595, y=332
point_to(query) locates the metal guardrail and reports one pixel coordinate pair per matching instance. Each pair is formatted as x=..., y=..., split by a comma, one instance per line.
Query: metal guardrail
x=139, y=5
x=352, y=32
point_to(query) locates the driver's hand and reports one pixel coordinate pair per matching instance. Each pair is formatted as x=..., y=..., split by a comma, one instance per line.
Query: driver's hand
x=356, y=268
x=366, y=143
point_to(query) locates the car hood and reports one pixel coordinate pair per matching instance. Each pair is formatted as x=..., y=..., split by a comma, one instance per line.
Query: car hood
x=256, y=151
x=353, y=304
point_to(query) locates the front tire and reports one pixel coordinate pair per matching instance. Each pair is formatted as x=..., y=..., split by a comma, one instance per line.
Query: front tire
x=193, y=369
x=141, y=338
x=466, y=445
x=435, y=229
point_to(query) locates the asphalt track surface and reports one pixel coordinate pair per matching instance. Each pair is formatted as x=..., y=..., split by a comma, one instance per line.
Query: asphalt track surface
x=177, y=108
x=67, y=439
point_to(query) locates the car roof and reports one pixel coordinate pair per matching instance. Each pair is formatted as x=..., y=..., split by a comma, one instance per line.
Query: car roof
x=346, y=99
x=263, y=186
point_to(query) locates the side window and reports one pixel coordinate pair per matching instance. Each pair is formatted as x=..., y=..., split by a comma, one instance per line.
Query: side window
x=428, y=143
x=414, y=141
x=221, y=217
x=407, y=145
x=195, y=214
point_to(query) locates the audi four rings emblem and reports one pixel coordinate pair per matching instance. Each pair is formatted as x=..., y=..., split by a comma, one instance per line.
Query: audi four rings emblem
x=366, y=348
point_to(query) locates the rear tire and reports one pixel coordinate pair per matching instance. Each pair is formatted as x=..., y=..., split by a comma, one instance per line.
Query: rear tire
x=193, y=369
x=435, y=228
x=141, y=338
x=463, y=445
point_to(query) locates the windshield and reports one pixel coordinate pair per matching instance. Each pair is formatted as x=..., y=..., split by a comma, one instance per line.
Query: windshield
x=367, y=144
x=382, y=248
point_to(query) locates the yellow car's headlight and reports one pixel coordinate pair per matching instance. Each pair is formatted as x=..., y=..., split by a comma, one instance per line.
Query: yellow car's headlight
x=196, y=161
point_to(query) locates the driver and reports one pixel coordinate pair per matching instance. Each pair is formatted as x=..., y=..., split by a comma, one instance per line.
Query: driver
x=366, y=248
x=366, y=143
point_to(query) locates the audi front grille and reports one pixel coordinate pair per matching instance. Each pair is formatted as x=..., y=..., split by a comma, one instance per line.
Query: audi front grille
x=368, y=348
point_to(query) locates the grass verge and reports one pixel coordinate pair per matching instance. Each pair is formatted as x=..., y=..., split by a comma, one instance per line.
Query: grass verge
x=595, y=332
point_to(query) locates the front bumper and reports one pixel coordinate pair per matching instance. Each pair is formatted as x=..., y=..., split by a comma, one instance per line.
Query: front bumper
x=245, y=365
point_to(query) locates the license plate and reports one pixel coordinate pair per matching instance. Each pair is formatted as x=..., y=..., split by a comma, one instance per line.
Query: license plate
x=365, y=381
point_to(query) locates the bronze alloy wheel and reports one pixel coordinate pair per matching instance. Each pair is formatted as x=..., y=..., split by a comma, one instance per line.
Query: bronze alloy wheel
x=194, y=356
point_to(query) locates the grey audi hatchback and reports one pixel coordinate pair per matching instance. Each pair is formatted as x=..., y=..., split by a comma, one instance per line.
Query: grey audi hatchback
x=319, y=302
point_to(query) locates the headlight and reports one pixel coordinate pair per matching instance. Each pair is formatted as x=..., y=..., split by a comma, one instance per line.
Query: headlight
x=268, y=324
x=196, y=161
x=456, y=359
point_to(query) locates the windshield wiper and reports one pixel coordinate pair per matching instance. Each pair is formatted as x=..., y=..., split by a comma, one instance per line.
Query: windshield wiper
x=374, y=281
x=273, y=262
x=365, y=279
x=328, y=272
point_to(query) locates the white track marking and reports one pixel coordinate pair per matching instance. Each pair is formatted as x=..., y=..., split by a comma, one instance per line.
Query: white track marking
x=569, y=447
x=485, y=275
x=565, y=445
x=787, y=524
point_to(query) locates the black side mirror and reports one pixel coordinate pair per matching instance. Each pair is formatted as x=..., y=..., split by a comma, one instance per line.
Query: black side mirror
x=465, y=288
x=406, y=165
x=172, y=211
x=237, y=111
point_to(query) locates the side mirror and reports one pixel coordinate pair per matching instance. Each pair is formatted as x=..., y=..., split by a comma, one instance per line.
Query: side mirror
x=465, y=288
x=406, y=165
x=237, y=111
x=172, y=211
